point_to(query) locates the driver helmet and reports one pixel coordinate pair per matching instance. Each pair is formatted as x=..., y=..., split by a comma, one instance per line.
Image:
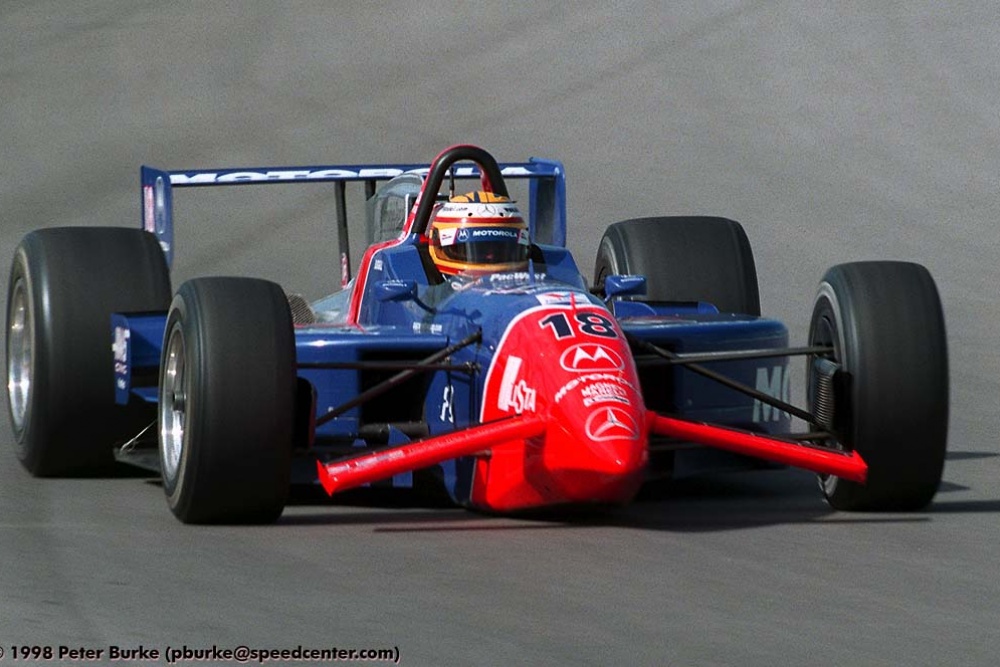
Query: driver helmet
x=479, y=232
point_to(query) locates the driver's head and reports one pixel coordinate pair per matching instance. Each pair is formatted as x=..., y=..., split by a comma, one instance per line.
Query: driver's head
x=479, y=232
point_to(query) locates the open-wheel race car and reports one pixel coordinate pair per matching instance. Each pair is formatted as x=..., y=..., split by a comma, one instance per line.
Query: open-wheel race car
x=468, y=355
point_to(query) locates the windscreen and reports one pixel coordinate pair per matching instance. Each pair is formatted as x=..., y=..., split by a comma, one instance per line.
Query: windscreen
x=388, y=208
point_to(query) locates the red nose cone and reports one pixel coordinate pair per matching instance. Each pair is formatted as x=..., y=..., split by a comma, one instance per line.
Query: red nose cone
x=567, y=362
x=600, y=457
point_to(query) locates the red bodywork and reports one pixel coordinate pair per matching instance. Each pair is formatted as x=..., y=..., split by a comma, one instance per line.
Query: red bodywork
x=562, y=418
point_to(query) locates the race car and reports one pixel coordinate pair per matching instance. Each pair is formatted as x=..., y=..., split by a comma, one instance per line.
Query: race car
x=469, y=355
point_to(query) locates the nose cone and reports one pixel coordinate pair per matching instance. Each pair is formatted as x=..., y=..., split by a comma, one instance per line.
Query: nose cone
x=564, y=359
x=600, y=458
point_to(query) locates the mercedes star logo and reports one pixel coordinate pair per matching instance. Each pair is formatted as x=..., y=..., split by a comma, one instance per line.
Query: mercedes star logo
x=611, y=424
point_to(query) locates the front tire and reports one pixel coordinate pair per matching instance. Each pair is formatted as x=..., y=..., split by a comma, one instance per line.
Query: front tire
x=227, y=400
x=885, y=324
x=64, y=285
x=684, y=259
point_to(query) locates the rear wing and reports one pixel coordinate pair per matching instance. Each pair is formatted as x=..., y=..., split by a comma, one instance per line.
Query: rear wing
x=546, y=193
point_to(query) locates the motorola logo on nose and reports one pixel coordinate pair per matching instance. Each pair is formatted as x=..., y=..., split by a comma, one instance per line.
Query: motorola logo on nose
x=611, y=424
x=590, y=357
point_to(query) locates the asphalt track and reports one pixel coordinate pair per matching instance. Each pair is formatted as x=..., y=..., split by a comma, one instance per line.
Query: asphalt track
x=833, y=131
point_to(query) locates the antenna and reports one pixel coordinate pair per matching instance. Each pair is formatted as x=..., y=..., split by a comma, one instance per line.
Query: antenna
x=451, y=187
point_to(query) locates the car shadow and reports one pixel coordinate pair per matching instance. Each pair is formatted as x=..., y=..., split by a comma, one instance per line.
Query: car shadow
x=724, y=502
x=720, y=502
x=969, y=456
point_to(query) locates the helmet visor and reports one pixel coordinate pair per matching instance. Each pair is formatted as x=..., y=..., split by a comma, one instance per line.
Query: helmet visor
x=485, y=245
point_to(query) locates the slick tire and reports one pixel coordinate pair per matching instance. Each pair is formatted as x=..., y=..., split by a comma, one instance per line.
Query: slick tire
x=64, y=285
x=227, y=401
x=885, y=324
x=684, y=259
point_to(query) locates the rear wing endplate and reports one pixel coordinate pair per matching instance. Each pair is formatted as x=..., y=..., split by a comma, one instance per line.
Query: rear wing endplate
x=546, y=206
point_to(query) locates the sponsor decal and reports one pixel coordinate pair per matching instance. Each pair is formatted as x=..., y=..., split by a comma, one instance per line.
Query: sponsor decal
x=377, y=264
x=201, y=178
x=592, y=377
x=463, y=236
x=120, y=350
x=776, y=382
x=466, y=210
x=515, y=396
x=160, y=205
x=447, y=237
x=555, y=298
x=513, y=277
x=521, y=283
x=513, y=289
x=447, y=412
x=148, y=217
x=453, y=210
x=494, y=233
x=604, y=392
x=590, y=357
x=154, y=206
x=421, y=327
x=611, y=424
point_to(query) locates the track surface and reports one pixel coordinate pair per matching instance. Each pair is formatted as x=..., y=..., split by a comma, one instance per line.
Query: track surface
x=834, y=133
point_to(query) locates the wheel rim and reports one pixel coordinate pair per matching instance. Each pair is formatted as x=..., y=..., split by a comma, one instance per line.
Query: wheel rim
x=20, y=367
x=173, y=406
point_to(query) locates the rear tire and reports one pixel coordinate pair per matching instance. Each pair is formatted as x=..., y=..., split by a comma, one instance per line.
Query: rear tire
x=227, y=401
x=684, y=259
x=885, y=323
x=64, y=285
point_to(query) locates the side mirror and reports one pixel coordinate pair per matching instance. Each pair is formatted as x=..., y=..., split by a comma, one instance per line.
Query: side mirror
x=624, y=286
x=396, y=290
